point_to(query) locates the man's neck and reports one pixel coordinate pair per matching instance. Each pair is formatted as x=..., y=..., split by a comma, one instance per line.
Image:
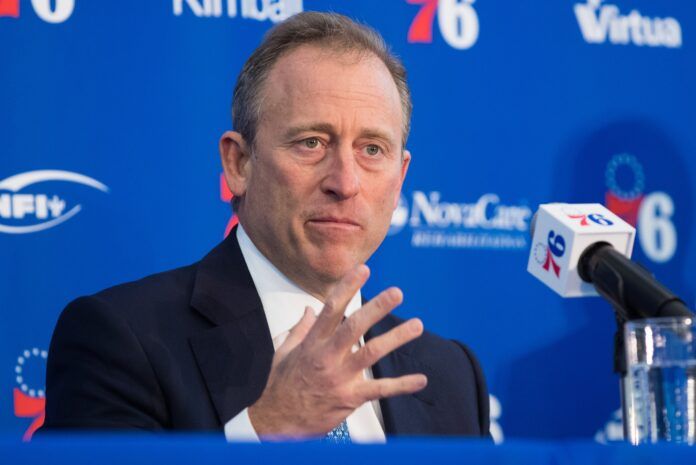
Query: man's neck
x=315, y=286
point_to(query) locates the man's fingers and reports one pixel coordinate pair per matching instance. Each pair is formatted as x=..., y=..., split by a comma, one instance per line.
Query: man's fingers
x=298, y=332
x=380, y=346
x=362, y=320
x=337, y=301
x=388, y=387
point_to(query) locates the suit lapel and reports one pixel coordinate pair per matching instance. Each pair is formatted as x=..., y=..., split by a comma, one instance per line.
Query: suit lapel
x=410, y=414
x=234, y=356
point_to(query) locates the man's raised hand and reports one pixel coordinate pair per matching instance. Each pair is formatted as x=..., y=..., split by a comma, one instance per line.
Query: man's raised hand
x=316, y=380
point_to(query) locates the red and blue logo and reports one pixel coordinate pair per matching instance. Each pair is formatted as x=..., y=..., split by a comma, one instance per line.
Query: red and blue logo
x=51, y=11
x=586, y=219
x=547, y=254
x=29, y=399
x=651, y=213
x=457, y=21
x=625, y=201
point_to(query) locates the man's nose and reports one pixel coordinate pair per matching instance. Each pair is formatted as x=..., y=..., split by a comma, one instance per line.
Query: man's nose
x=342, y=179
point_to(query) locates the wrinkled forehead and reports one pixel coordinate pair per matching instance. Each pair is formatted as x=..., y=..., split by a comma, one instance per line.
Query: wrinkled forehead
x=313, y=75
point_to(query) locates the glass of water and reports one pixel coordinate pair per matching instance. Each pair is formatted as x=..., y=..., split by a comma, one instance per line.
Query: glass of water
x=660, y=390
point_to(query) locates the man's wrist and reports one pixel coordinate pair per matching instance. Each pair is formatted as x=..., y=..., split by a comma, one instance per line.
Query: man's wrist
x=259, y=423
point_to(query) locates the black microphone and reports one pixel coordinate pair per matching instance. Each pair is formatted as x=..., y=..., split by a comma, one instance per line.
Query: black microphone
x=629, y=287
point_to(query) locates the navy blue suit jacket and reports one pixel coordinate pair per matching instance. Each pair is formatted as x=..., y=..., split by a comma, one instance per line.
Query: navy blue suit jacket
x=190, y=348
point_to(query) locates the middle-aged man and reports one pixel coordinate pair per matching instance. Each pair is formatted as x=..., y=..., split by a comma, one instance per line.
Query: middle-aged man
x=267, y=336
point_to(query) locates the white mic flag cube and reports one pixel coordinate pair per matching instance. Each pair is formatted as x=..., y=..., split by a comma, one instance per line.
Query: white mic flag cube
x=563, y=232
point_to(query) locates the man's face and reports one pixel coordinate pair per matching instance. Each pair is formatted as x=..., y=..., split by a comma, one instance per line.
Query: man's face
x=327, y=166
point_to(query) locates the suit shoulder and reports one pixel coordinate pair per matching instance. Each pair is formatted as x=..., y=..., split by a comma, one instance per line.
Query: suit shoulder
x=441, y=355
x=148, y=296
x=431, y=343
x=456, y=368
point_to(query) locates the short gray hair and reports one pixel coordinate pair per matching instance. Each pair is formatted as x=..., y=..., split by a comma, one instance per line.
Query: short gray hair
x=322, y=29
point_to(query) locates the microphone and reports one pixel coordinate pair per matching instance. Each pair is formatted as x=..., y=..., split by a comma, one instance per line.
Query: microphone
x=583, y=250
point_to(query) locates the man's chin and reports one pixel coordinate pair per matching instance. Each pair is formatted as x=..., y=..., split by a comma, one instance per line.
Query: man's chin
x=330, y=270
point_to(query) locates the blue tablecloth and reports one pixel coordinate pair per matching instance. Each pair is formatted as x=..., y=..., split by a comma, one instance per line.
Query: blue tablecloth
x=175, y=449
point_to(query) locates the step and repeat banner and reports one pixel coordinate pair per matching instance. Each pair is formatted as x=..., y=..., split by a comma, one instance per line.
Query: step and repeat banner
x=110, y=114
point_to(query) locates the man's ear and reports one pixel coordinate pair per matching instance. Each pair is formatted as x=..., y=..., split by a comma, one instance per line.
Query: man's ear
x=405, y=162
x=236, y=162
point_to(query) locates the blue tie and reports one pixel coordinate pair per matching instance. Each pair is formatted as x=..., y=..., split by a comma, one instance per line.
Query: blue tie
x=339, y=435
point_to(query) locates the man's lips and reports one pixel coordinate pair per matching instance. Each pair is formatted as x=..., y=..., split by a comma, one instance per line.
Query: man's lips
x=337, y=222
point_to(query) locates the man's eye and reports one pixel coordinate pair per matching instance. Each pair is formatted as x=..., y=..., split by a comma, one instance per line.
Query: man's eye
x=311, y=143
x=372, y=149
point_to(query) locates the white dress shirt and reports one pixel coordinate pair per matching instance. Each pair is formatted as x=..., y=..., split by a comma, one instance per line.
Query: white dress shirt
x=284, y=303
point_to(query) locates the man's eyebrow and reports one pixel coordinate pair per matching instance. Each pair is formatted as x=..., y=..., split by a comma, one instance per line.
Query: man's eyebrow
x=294, y=131
x=326, y=128
x=372, y=133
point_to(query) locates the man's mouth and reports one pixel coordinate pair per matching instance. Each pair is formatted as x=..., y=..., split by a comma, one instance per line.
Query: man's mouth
x=334, y=222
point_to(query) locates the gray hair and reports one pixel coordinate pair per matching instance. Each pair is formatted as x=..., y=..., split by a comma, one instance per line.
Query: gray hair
x=323, y=29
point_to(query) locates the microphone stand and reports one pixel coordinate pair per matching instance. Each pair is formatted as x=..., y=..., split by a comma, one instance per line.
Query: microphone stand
x=628, y=416
x=634, y=294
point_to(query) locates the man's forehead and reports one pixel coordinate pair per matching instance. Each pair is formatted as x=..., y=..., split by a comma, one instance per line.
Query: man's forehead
x=312, y=75
x=307, y=66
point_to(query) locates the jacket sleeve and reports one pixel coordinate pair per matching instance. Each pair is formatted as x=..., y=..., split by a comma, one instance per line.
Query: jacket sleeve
x=481, y=391
x=98, y=375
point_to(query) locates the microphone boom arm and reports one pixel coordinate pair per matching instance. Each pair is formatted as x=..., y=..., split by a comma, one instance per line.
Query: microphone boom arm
x=631, y=289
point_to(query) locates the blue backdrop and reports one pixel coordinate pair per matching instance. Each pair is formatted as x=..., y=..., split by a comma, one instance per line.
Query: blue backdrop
x=110, y=113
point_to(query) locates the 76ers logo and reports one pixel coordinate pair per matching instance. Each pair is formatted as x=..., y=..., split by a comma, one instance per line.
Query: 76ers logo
x=51, y=11
x=457, y=20
x=586, y=219
x=547, y=254
x=29, y=395
x=650, y=213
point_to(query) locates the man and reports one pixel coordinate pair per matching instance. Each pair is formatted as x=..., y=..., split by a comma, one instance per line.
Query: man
x=316, y=165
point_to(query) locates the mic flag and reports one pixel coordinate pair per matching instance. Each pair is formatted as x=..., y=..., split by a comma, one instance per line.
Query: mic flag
x=561, y=232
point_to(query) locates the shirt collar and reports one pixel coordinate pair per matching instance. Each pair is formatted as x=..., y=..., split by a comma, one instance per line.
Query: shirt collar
x=283, y=301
